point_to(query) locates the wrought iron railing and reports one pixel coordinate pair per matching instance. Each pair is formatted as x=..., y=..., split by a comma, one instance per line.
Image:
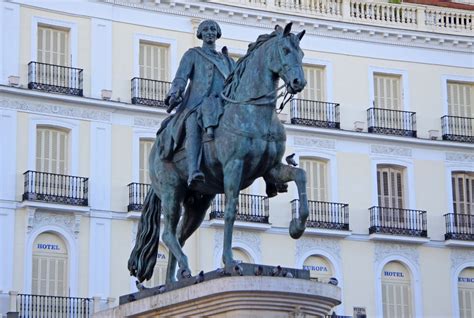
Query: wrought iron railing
x=459, y=226
x=397, y=221
x=251, y=208
x=55, y=188
x=324, y=215
x=55, y=78
x=315, y=113
x=53, y=306
x=136, y=195
x=391, y=122
x=457, y=128
x=149, y=92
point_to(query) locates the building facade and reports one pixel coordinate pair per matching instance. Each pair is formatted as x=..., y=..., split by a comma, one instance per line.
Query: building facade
x=384, y=130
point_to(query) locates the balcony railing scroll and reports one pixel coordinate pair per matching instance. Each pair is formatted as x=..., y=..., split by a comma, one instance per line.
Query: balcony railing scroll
x=315, y=113
x=459, y=226
x=457, y=128
x=397, y=221
x=55, y=78
x=391, y=122
x=149, y=92
x=55, y=188
x=53, y=306
x=324, y=215
x=251, y=208
x=136, y=195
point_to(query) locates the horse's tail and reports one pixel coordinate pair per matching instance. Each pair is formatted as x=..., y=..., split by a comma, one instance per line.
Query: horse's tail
x=143, y=257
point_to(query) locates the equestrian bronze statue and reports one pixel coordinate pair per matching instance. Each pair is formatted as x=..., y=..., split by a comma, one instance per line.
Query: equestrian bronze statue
x=236, y=138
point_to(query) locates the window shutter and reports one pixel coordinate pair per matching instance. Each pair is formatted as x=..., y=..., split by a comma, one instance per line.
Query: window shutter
x=51, y=150
x=153, y=61
x=390, y=187
x=317, y=179
x=396, y=292
x=387, y=91
x=145, y=148
x=315, y=87
x=53, y=46
x=463, y=192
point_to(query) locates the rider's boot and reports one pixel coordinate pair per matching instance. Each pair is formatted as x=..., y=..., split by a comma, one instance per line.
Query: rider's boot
x=193, y=150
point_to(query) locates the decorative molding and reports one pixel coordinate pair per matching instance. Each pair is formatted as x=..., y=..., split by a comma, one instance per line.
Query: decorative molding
x=73, y=112
x=248, y=238
x=330, y=246
x=314, y=142
x=147, y=122
x=460, y=257
x=391, y=150
x=459, y=157
x=382, y=250
x=71, y=223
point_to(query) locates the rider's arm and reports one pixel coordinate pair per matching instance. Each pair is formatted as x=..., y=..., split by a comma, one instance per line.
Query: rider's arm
x=180, y=80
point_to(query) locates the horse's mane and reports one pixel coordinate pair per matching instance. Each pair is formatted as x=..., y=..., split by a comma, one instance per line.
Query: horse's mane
x=233, y=80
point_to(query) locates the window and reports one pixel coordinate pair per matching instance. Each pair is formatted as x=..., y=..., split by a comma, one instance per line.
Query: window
x=50, y=266
x=241, y=256
x=466, y=293
x=396, y=291
x=153, y=61
x=53, y=45
x=317, y=179
x=145, y=148
x=319, y=267
x=52, y=150
x=315, y=88
x=390, y=186
x=463, y=192
x=460, y=99
x=159, y=272
x=387, y=91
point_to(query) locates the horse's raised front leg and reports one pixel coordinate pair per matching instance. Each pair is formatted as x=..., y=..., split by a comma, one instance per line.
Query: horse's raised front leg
x=195, y=208
x=283, y=173
x=170, y=204
x=232, y=179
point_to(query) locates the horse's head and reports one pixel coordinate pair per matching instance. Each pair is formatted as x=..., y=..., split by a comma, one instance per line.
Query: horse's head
x=287, y=61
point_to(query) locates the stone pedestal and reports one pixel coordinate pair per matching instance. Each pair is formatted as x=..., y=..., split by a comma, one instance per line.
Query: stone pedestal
x=236, y=296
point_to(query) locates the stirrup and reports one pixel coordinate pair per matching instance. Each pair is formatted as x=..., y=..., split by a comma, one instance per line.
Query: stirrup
x=195, y=178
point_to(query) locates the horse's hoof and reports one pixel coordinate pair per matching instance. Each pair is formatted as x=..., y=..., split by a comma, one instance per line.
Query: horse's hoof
x=296, y=230
x=184, y=273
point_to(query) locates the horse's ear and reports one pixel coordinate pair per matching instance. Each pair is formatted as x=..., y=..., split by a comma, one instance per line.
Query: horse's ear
x=301, y=34
x=287, y=29
x=278, y=28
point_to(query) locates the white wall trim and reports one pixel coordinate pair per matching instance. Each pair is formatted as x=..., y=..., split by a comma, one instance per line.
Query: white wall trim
x=139, y=133
x=328, y=73
x=69, y=124
x=454, y=286
x=8, y=159
x=99, y=257
x=417, y=300
x=409, y=179
x=7, y=243
x=172, y=46
x=100, y=171
x=444, y=87
x=73, y=257
x=405, y=84
x=101, y=56
x=73, y=40
x=9, y=41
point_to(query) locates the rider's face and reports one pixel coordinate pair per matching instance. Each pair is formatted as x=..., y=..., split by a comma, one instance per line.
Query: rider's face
x=209, y=33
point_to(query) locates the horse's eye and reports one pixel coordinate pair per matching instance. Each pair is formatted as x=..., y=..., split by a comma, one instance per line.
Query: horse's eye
x=286, y=51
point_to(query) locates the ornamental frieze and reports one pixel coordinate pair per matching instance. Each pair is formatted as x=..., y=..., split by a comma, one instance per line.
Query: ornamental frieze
x=391, y=150
x=314, y=142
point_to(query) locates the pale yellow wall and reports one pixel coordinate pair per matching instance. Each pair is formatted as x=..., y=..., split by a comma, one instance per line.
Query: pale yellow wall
x=121, y=166
x=278, y=250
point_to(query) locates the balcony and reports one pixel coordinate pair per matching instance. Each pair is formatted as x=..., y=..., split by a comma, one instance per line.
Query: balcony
x=136, y=196
x=391, y=122
x=55, y=78
x=53, y=306
x=459, y=227
x=395, y=221
x=315, y=113
x=149, y=92
x=251, y=209
x=55, y=188
x=458, y=128
x=324, y=216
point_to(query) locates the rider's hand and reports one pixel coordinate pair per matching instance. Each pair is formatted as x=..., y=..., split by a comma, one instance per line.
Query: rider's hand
x=172, y=100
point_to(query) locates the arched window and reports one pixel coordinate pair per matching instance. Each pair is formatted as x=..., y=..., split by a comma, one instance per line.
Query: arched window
x=52, y=149
x=145, y=148
x=466, y=293
x=241, y=256
x=317, y=185
x=159, y=272
x=50, y=266
x=396, y=291
x=320, y=269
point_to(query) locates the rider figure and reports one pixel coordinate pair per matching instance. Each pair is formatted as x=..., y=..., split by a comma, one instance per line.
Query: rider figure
x=206, y=70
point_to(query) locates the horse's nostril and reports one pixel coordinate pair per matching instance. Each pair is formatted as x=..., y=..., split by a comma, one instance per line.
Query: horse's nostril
x=296, y=81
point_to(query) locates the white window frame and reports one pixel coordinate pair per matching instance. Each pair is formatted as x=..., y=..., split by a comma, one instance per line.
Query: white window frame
x=73, y=152
x=158, y=40
x=137, y=135
x=444, y=88
x=408, y=182
x=454, y=286
x=404, y=81
x=73, y=42
x=415, y=284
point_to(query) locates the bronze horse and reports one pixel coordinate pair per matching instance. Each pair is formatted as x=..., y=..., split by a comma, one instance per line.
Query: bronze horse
x=249, y=143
